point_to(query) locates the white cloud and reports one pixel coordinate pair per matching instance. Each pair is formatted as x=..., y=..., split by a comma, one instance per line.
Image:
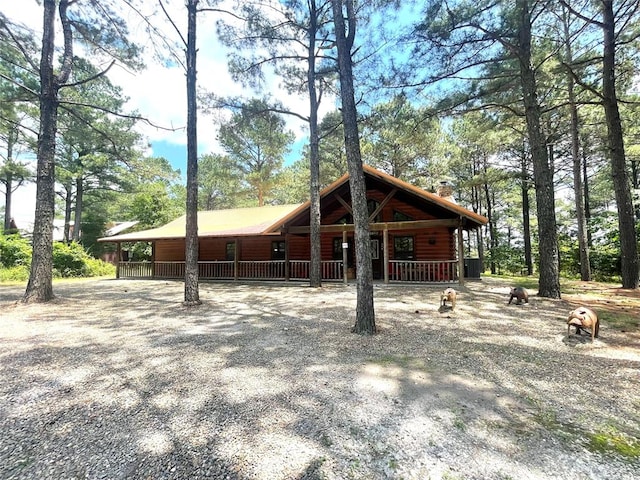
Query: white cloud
x=159, y=92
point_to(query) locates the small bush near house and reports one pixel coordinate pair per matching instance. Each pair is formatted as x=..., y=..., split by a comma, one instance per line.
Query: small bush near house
x=71, y=260
x=15, y=251
x=100, y=268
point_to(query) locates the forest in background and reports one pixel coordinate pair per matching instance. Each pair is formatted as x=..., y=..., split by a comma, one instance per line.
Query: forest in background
x=444, y=96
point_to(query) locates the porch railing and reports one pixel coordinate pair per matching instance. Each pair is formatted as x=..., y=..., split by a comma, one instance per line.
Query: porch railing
x=262, y=270
x=224, y=270
x=441, y=271
x=329, y=269
x=135, y=269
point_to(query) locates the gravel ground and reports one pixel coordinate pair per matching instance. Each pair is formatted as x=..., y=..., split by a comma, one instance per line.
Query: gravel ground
x=115, y=379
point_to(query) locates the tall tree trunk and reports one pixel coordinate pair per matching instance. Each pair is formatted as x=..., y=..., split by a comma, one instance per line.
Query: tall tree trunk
x=549, y=280
x=8, y=194
x=628, y=241
x=40, y=286
x=77, y=221
x=365, y=315
x=315, y=274
x=7, y=201
x=493, y=240
x=477, y=207
x=191, y=285
x=480, y=244
x=526, y=220
x=585, y=183
x=583, y=244
x=68, y=207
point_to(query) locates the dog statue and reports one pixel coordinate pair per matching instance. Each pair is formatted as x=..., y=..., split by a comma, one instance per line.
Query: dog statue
x=448, y=295
x=583, y=318
x=520, y=294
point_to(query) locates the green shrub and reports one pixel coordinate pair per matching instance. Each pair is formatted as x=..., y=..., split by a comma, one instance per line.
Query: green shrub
x=606, y=261
x=68, y=260
x=71, y=260
x=99, y=268
x=14, y=251
x=18, y=273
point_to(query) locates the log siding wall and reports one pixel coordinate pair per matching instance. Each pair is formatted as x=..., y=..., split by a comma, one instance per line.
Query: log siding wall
x=437, y=243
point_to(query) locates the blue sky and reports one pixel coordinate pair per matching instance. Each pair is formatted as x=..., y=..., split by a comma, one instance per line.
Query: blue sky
x=158, y=93
x=176, y=154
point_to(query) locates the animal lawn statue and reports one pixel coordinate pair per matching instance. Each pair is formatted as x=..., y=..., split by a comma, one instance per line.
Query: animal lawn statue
x=448, y=295
x=583, y=318
x=520, y=294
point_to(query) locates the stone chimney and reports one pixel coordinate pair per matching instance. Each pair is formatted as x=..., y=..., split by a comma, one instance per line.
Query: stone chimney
x=445, y=190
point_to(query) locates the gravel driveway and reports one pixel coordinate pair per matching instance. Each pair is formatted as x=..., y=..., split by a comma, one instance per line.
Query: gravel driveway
x=115, y=379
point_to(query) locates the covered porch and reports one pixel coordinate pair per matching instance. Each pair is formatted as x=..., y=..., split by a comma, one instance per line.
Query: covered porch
x=292, y=270
x=285, y=256
x=415, y=236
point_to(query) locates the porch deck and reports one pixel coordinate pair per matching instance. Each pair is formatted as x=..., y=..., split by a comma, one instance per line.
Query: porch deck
x=440, y=271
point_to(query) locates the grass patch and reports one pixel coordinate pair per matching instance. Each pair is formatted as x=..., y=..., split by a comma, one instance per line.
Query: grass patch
x=619, y=321
x=14, y=275
x=548, y=419
x=459, y=424
x=11, y=281
x=543, y=415
x=403, y=361
x=612, y=440
x=608, y=440
x=528, y=282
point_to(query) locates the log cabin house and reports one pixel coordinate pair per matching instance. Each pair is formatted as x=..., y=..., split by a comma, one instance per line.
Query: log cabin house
x=416, y=236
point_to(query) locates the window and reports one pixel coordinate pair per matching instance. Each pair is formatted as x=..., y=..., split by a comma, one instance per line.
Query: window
x=401, y=217
x=278, y=250
x=403, y=248
x=230, y=251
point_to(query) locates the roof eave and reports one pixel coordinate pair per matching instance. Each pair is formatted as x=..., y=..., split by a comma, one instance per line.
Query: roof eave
x=437, y=199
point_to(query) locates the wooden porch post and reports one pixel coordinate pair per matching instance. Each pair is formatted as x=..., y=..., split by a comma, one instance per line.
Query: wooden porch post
x=236, y=245
x=118, y=258
x=153, y=259
x=385, y=250
x=460, y=254
x=287, y=272
x=345, y=258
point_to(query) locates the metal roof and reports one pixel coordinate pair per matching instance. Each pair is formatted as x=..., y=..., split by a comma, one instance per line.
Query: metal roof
x=271, y=219
x=214, y=223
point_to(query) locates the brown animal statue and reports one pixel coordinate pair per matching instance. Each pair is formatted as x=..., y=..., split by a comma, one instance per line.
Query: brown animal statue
x=520, y=294
x=448, y=295
x=583, y=318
